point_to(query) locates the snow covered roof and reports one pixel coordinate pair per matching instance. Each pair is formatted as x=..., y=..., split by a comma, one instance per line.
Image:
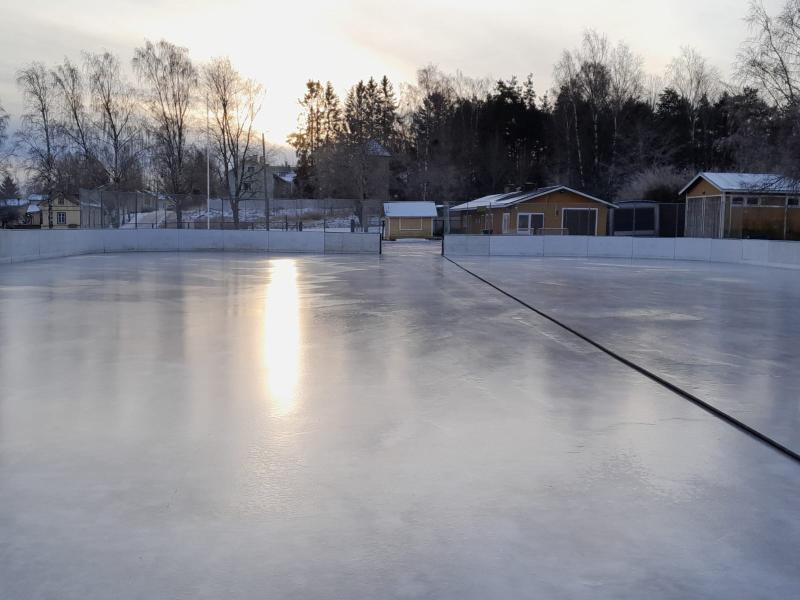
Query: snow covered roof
x=33, y=208
x=13, y=202
x=509, y=199
x=409, y=209
x=286, y=177
x=746, y=182
x=376, y=149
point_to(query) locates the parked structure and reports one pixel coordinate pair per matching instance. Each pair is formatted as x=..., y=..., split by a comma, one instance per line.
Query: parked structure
x=742, y=205
x=647, y=218
x=408, y=220
x=554, y=210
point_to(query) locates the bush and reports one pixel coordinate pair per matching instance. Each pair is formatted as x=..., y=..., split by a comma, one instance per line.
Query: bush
x=661, y=184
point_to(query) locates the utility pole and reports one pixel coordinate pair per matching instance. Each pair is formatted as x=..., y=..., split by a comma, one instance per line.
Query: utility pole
x=208, y=171
x=266, y=196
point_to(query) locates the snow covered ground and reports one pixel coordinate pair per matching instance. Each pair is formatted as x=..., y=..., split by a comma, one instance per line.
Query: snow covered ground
x=241, y=426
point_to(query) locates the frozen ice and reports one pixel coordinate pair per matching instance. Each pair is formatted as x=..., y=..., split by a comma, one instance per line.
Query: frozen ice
x=728, y=334
x=251, y=426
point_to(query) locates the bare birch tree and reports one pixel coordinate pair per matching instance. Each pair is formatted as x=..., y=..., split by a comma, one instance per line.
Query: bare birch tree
x=113, y=102
x=71, y=90
x=4, y=119
x=170, y=79
x=566, y=75
x=234, y=103
x=37, y=134
x=695, y=80
x=594, y=78
x=625, y=86
x=770, y=58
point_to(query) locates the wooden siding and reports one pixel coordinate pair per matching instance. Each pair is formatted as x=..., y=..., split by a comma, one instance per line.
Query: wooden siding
x=702, y=188
x=551, y=205
x=408, y=227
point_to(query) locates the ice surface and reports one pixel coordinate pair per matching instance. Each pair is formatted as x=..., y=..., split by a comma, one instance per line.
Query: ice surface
x=729, y=334
x=242, y=426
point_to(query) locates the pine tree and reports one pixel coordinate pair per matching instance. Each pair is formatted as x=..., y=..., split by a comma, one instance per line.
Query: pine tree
x=8, y=188
x=314, y=141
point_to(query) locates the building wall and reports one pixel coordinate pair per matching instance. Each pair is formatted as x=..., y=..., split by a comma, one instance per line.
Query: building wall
x=551, y=206
x=408, y=227
x=763, y=222
x=72, y=213
x=702, y=188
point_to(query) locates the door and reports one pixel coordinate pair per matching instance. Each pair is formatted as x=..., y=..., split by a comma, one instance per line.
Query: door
x=506, y=222
x=579, y=221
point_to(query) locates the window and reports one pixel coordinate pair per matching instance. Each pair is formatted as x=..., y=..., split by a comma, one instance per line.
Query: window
x=752, y=201
x=738, y=201
x=793, y=202
x=529, y=223
x=772, y=201
x=60, y=201
x=61, y=218
x=246, y=187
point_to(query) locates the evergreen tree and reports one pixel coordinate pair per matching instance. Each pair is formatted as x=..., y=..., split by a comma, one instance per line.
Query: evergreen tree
x=8, y=188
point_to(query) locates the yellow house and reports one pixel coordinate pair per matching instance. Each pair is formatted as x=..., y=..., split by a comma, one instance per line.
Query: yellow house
x=61, y=213
x=408, y=220
x=554, y=210
x=742, y=205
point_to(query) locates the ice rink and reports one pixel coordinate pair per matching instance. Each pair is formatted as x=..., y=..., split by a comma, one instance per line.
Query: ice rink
x=207, y=426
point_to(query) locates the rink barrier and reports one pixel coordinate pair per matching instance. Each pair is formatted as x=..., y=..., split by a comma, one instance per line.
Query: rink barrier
x=751, y=252
x=25, y=245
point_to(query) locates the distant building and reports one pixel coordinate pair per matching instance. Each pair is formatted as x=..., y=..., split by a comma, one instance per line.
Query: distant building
x=758, y=205
x=554, y=210
x=408, y=220
x=58, y=213
x=279, y=180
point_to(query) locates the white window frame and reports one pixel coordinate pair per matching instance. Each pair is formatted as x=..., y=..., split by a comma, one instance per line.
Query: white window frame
x=596, y=216
x=59, y=216
x=530, y=220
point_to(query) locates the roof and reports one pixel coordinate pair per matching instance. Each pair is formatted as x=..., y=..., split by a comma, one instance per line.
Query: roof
x=747, y=182
x=374, y=148
x=409, y=209
x=509, y=199
x=635, y=203
x=285, y=177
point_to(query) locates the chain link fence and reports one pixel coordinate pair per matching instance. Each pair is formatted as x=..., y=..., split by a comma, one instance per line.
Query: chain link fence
x=137, y=210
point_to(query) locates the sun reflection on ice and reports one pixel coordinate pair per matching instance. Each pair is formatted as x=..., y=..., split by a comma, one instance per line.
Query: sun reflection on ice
x=282, y=336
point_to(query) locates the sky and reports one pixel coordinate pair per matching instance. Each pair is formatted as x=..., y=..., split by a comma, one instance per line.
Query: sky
x=282, y=45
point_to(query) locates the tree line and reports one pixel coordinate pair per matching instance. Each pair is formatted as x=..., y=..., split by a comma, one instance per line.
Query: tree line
x=88, y=125
x=605, y=127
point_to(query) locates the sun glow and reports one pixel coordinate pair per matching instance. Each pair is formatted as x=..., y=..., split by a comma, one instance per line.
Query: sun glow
x=282, y=336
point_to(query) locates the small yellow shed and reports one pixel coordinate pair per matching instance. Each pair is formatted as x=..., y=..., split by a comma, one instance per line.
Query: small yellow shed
x=408, y=219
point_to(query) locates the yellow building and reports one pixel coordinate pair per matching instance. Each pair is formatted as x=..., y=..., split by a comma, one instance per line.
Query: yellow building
x=408, y=220
x=742, y=205
x=554, y=210
x=63, y=213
